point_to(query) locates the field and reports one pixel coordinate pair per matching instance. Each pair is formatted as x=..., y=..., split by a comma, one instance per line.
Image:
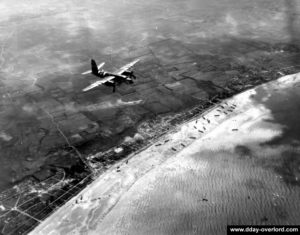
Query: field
x=191, y=53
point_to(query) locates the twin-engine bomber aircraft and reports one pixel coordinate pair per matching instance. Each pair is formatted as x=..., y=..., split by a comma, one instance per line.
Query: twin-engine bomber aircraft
x=124, y=74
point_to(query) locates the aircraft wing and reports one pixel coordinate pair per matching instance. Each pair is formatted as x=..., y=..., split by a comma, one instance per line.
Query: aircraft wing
x=98, y=83
x=126, y=67
x=87, y=72
x=90, y=71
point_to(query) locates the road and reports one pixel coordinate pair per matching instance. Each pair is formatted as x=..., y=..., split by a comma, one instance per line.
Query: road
x=236, y=164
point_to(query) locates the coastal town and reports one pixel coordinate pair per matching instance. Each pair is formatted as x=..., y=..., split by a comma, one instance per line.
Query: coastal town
x=56, y=140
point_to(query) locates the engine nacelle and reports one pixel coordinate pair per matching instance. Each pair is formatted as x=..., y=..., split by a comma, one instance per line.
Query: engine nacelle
x=129, y=80
x=102, y=74
x=129, y=74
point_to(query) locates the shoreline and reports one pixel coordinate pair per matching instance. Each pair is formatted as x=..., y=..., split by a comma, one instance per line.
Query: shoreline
x=110, y=158
x=172, y=141
x=162, y=119
x=193, y=55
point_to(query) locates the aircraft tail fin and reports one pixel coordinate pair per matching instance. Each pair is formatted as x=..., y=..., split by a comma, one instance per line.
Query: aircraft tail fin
x=94, y=67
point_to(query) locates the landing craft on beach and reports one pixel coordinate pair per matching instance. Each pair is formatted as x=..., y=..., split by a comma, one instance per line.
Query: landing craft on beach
x=124, y=74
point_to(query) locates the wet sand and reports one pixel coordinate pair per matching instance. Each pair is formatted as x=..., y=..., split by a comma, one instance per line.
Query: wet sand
x=221, y=168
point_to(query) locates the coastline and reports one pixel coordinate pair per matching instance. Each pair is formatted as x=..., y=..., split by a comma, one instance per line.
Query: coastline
x=48, y=199
x=102, y=195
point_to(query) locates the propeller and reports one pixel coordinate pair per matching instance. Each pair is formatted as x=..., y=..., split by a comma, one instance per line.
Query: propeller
x=129, y=80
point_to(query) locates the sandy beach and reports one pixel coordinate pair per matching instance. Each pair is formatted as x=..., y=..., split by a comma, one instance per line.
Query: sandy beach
x=236, y=164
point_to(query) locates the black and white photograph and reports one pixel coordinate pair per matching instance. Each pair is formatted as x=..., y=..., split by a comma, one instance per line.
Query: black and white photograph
x=149, y=117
